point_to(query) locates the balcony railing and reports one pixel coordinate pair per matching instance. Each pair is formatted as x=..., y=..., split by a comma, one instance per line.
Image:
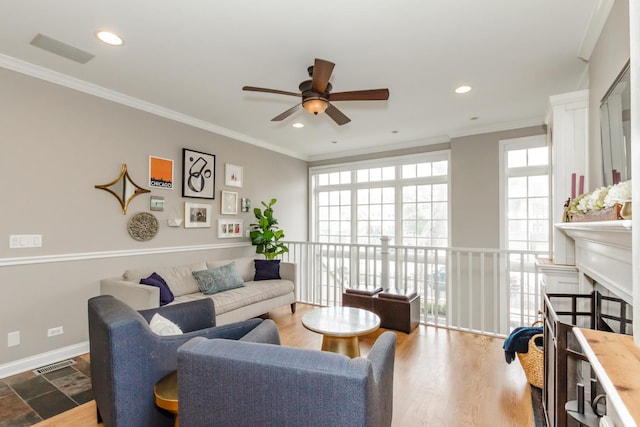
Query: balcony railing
x=486, y=291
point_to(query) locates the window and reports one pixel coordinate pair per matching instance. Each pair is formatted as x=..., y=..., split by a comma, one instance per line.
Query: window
x=405, y=198
x=525, y=219
x=527, y=194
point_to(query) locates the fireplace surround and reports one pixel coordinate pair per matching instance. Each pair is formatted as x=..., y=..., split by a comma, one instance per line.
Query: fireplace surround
x=602, y=272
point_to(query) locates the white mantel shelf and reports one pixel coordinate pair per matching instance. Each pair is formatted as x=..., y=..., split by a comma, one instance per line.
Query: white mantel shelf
x=603, y=252
x=616, y=233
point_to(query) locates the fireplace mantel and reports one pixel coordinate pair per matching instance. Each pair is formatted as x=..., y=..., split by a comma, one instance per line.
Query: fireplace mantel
x=603, y=253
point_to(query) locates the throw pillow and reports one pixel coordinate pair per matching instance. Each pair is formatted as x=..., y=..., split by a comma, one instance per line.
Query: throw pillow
x=267, y=269
x=166, y=296
x=218, y=279
x=160, y=325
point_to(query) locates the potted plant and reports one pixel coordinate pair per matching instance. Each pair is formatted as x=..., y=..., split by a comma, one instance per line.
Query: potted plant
x=266, y=234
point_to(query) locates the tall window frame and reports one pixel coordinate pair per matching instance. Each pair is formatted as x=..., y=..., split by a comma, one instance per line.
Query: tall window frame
x=525, y=221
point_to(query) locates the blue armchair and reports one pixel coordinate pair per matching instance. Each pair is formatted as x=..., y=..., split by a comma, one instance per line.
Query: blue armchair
x=231, y=383
x=127, y=358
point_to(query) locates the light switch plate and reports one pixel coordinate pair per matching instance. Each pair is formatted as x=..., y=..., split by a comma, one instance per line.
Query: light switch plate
x=25, y=241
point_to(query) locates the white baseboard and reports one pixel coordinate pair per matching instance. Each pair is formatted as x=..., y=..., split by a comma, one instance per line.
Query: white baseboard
x=33, y=362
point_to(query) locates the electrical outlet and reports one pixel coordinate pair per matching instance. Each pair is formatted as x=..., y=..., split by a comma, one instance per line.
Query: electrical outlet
x=55, y=331
x=13, y=339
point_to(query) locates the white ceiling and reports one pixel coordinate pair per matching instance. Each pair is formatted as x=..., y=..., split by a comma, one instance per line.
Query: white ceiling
x=189, y=60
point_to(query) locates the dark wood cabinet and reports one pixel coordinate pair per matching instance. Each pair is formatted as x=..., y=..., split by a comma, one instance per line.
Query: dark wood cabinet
x=565, y=365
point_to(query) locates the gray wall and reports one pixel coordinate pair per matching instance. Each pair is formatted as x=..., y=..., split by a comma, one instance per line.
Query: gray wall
x=475, y=187
x=609, y=56
x=57, y=143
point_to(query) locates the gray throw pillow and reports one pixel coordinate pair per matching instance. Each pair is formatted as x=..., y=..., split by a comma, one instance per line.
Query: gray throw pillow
x=218, y=279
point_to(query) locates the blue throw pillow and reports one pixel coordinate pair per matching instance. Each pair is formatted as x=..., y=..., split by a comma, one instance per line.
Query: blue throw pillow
x=166, y=296
x=267, y=269
x=218, y=279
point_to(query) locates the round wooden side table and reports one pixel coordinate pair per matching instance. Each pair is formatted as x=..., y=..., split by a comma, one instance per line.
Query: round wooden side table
x=166, y=393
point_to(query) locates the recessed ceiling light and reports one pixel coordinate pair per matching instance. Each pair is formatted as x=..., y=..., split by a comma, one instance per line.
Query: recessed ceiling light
x=109, y=38
x=298, y=125
x=463, y=89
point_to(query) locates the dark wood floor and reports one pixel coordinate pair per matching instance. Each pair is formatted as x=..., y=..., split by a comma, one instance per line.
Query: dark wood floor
x=441, y=378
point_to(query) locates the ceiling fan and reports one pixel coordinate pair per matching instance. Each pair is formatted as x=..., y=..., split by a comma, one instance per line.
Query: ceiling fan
x=317, y=97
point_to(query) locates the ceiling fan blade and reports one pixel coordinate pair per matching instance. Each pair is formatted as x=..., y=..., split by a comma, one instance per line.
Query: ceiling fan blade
x=261, y=89
x=321, y=73
x=287, y=113
x=337, y=115
x=361, y=95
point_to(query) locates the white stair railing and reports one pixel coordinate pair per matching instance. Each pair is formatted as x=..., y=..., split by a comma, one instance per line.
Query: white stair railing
x=487, y=291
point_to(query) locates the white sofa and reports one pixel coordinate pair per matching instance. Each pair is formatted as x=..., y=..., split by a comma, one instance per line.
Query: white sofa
x=254, y=299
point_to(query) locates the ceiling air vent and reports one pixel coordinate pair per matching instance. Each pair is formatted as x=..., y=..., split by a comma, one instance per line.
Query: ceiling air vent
x=62, y=49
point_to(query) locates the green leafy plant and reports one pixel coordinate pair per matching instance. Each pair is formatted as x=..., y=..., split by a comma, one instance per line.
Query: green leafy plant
x=266, y=234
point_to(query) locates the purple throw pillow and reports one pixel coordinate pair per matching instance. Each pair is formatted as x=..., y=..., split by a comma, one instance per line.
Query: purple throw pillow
x=166, y=296
x=267, y=269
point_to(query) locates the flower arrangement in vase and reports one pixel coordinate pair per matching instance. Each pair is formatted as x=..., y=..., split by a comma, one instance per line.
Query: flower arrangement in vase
x=602, y=204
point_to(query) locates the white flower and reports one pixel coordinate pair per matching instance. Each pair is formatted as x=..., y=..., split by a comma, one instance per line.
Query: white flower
x=595, y=200
x=619, y=193
x=582, y=205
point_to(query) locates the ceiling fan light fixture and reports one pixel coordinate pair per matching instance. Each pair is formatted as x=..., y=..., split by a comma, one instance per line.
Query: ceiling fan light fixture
x=315, y=105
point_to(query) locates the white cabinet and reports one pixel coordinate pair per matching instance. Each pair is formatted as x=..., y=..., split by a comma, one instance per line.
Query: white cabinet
x=567, y=130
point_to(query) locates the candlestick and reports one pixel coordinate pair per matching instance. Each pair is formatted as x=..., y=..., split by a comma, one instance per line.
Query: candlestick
x=581, y=188
x=573, y=186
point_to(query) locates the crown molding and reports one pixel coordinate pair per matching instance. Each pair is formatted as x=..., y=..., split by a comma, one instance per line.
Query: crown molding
x=380, y=149
x=497, y=127
x=591, y=35
x=60, y=79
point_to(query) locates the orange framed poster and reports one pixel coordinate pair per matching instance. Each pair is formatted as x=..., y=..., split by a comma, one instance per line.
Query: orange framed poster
x=160, y=173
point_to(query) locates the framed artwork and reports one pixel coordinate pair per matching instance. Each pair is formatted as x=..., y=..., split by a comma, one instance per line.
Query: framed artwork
x=197, y=215
x=245, y=204
x=160, y=173
x=229, y=203
x=198, y=174
x=232, y=175
x=229, y=228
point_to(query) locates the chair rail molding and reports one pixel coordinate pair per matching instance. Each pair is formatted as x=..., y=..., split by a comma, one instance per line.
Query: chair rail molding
x=44, y=259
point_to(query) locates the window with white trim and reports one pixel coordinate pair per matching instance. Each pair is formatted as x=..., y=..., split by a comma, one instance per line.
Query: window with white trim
x=405, y=198
x=525, y=215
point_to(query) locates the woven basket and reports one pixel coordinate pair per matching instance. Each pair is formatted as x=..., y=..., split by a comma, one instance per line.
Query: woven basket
x=533, y=363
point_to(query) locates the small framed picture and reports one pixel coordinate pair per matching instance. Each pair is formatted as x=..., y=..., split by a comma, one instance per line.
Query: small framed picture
x=245, y=204
x=160, y=173
x=229, y=203
x=229, y=228
x=232, y=175
x=197, y=215
x=198, y=174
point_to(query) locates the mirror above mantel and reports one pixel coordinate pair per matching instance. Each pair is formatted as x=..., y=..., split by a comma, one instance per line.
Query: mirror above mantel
x=615, y=130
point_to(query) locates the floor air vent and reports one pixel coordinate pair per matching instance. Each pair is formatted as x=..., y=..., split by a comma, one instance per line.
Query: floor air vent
x=54, y=367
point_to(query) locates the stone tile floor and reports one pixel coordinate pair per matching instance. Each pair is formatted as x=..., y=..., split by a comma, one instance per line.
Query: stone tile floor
x=27, y=398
